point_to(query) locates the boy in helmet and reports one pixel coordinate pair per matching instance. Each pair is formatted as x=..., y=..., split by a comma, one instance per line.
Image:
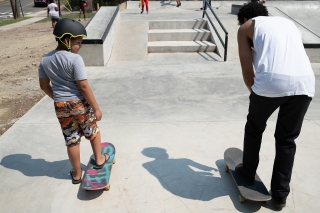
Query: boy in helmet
x=62, y=76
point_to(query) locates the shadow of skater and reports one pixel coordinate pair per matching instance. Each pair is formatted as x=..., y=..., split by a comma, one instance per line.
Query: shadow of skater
x=178, y=176
x=37, y=167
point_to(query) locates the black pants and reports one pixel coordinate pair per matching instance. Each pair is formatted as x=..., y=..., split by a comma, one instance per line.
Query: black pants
x=290, y=117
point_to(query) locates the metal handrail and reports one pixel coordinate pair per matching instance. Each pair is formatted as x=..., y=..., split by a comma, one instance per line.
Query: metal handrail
x=225, y=43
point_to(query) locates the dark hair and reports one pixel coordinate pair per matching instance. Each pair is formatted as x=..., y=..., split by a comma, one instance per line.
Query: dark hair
x=51, y=1
x=251, y=10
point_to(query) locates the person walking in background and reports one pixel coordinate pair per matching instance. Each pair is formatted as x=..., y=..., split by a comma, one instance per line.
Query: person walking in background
x=178, y=3
x=144, y=2
x=82, y=6
x=204, y=4
x=259, y=1
x=278, y=75
x=53, y=12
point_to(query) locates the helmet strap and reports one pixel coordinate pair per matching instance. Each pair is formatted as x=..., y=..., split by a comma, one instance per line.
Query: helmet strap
x=67, y=45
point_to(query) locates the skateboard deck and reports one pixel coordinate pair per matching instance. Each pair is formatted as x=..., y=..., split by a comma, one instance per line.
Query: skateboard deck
x=95, y=179
x=256, y=192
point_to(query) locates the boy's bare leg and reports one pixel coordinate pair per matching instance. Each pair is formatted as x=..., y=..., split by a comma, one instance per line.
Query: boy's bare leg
x=96, y=148
x=80, y=14
x=74, y=157
x=84, y=14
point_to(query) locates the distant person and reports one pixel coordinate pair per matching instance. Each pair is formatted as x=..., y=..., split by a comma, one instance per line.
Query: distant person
x=204, y=4
x=178, y=3
x=82, y=6
x=62, y=76
x=147, y=6
x=259, y=1
x=278, y=75
x=53, y=12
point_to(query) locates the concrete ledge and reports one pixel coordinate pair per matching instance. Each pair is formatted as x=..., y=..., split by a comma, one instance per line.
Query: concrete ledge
x=179, y=35
x=180, y=46
x=313, y=52
x=96, y=48
x=178, y=24
x=235, y=9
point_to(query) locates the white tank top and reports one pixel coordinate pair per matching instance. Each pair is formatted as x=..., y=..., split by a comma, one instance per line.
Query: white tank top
x=52, y=10
x=282, y=67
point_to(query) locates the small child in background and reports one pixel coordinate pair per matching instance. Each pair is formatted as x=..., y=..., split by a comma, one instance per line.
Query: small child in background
x=82, y=5
x=53, y=12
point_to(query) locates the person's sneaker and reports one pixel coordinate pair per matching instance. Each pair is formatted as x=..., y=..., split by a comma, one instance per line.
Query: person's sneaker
x=280, y=202
x=141, y=11
x=246, y=179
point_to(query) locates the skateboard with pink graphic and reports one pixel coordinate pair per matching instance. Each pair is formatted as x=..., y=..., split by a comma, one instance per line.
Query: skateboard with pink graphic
x=95, y=179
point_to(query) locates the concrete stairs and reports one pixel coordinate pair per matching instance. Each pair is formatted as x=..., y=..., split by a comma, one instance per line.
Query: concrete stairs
x=179, y=36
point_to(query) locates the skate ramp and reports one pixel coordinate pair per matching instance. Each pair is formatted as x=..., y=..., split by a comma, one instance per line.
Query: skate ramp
x=306, y=13
x=306, y=16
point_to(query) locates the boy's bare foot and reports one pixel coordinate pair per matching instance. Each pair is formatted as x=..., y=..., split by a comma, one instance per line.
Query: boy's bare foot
x=101, y=161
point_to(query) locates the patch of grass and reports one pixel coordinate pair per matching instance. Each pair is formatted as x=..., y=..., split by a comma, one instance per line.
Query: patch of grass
x=68, y=15
x=12, y=21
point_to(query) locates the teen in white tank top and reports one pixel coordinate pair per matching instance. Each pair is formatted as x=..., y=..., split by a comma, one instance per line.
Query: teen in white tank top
x=282, y=67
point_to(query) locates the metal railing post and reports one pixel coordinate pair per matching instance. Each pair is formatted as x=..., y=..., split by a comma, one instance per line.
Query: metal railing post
x=205, y=3
x=224, y=44
x=226, y=47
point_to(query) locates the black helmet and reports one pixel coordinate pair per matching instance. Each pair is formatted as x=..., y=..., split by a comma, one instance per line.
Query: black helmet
x=67, y=26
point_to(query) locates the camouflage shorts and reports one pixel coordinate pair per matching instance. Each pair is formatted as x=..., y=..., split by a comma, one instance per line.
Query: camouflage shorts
x=76, y=119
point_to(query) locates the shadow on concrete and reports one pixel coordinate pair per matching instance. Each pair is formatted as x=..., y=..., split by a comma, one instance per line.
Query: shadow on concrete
x=88, y=195
x=38, y=167
x=207, y=56
x=178, y=176
x=189, y=179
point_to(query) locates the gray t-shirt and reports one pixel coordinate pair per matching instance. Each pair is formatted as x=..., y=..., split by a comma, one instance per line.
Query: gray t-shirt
x=63, y=68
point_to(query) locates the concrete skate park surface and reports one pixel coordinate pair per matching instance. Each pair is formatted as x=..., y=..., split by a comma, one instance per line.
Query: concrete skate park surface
x=171, y=117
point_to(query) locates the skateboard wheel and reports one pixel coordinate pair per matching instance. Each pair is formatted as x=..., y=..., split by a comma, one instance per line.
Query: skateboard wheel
x=226, y=168
x=241, y=198
x=107, y=187
x=114, y=161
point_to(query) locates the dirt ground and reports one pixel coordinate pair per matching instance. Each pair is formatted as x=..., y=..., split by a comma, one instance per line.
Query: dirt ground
x=20, y=53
